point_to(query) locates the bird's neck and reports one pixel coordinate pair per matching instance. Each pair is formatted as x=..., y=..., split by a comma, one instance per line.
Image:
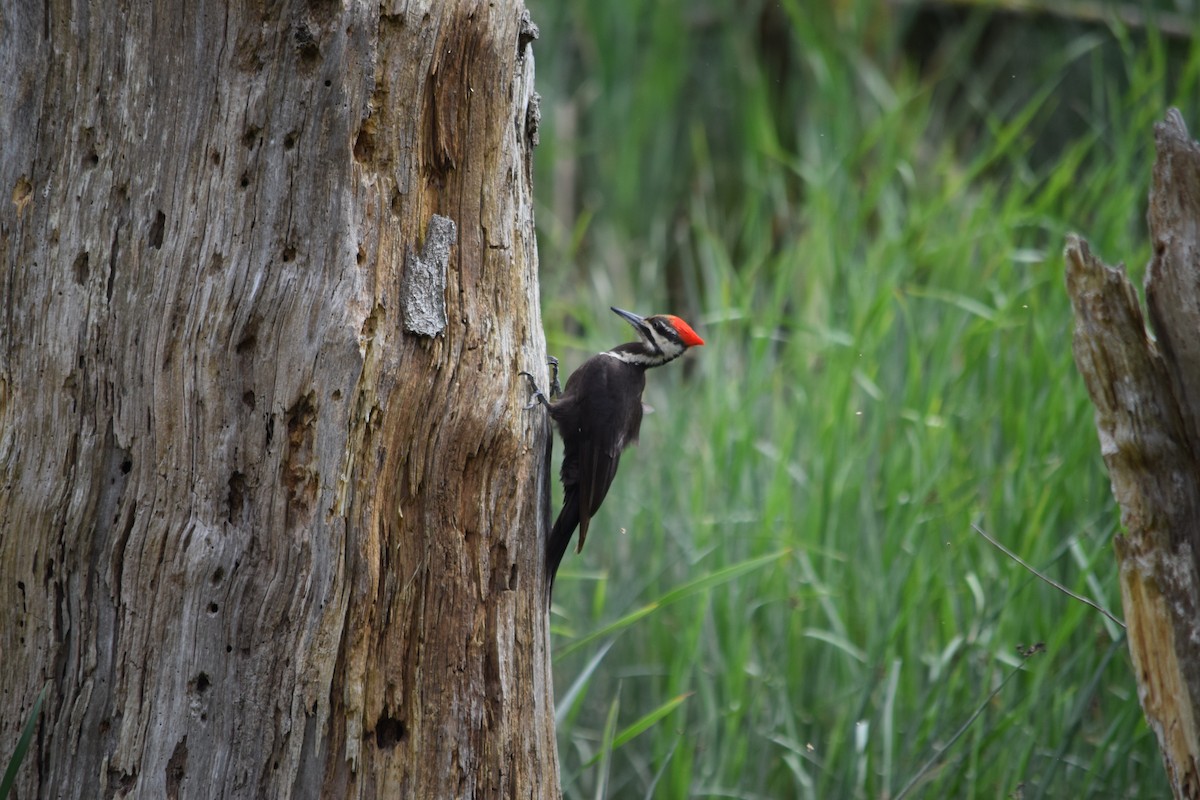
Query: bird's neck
x=639, y=354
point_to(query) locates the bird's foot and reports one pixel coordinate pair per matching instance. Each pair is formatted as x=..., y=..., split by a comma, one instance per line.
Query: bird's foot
x=538, y=395
x=555, y=388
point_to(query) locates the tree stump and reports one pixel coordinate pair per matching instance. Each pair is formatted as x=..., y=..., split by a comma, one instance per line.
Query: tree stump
x=270, y=506
x=1147, y=396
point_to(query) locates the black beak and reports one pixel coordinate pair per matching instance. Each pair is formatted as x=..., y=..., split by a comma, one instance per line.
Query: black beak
x=633, y=319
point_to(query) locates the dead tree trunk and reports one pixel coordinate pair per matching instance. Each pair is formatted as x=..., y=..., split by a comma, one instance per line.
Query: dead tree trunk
x=1147, y=397
x=269, y=502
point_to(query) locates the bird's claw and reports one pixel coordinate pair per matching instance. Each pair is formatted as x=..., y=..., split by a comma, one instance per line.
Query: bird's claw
x=538, y=395
x=555, y=388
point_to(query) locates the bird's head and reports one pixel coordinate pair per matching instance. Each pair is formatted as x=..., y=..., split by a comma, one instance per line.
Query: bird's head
x=663, y=336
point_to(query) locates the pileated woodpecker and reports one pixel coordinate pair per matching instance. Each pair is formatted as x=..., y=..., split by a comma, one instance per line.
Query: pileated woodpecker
x=599, y=415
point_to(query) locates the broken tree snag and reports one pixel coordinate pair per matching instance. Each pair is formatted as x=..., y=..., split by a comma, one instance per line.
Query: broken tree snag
x=1156, y=481
x=1172, y=288
x=1146, y=397
x=260, y=541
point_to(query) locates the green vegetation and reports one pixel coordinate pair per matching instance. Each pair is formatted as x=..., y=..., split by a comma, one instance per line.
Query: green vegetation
x=783, y=595
x=22, y=746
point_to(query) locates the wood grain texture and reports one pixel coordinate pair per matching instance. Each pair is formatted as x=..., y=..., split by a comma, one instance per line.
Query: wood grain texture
x=263, y=541
x=1147, y=401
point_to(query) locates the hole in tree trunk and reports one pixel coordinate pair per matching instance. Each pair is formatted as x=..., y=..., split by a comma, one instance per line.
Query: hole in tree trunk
x=389, y=732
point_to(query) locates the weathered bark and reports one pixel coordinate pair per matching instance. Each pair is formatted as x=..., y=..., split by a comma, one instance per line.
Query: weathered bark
x=269, y=511
x=1147, y=398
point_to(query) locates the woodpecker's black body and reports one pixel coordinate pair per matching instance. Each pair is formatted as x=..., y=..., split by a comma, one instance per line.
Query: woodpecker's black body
x=598, y=415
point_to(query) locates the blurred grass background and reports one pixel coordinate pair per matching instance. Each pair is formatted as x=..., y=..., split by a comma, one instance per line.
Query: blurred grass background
x=861, y=206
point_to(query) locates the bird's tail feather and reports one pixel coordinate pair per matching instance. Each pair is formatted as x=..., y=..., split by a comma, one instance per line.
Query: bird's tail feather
x=560, y=536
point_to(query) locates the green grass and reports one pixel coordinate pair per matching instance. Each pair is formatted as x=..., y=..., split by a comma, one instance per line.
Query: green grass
x=22, y=745
x=783, y=595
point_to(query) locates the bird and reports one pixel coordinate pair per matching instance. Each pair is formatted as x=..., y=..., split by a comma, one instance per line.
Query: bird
x=598, y=415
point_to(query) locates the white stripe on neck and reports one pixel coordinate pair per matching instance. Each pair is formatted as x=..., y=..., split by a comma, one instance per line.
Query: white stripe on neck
x=637, y=359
